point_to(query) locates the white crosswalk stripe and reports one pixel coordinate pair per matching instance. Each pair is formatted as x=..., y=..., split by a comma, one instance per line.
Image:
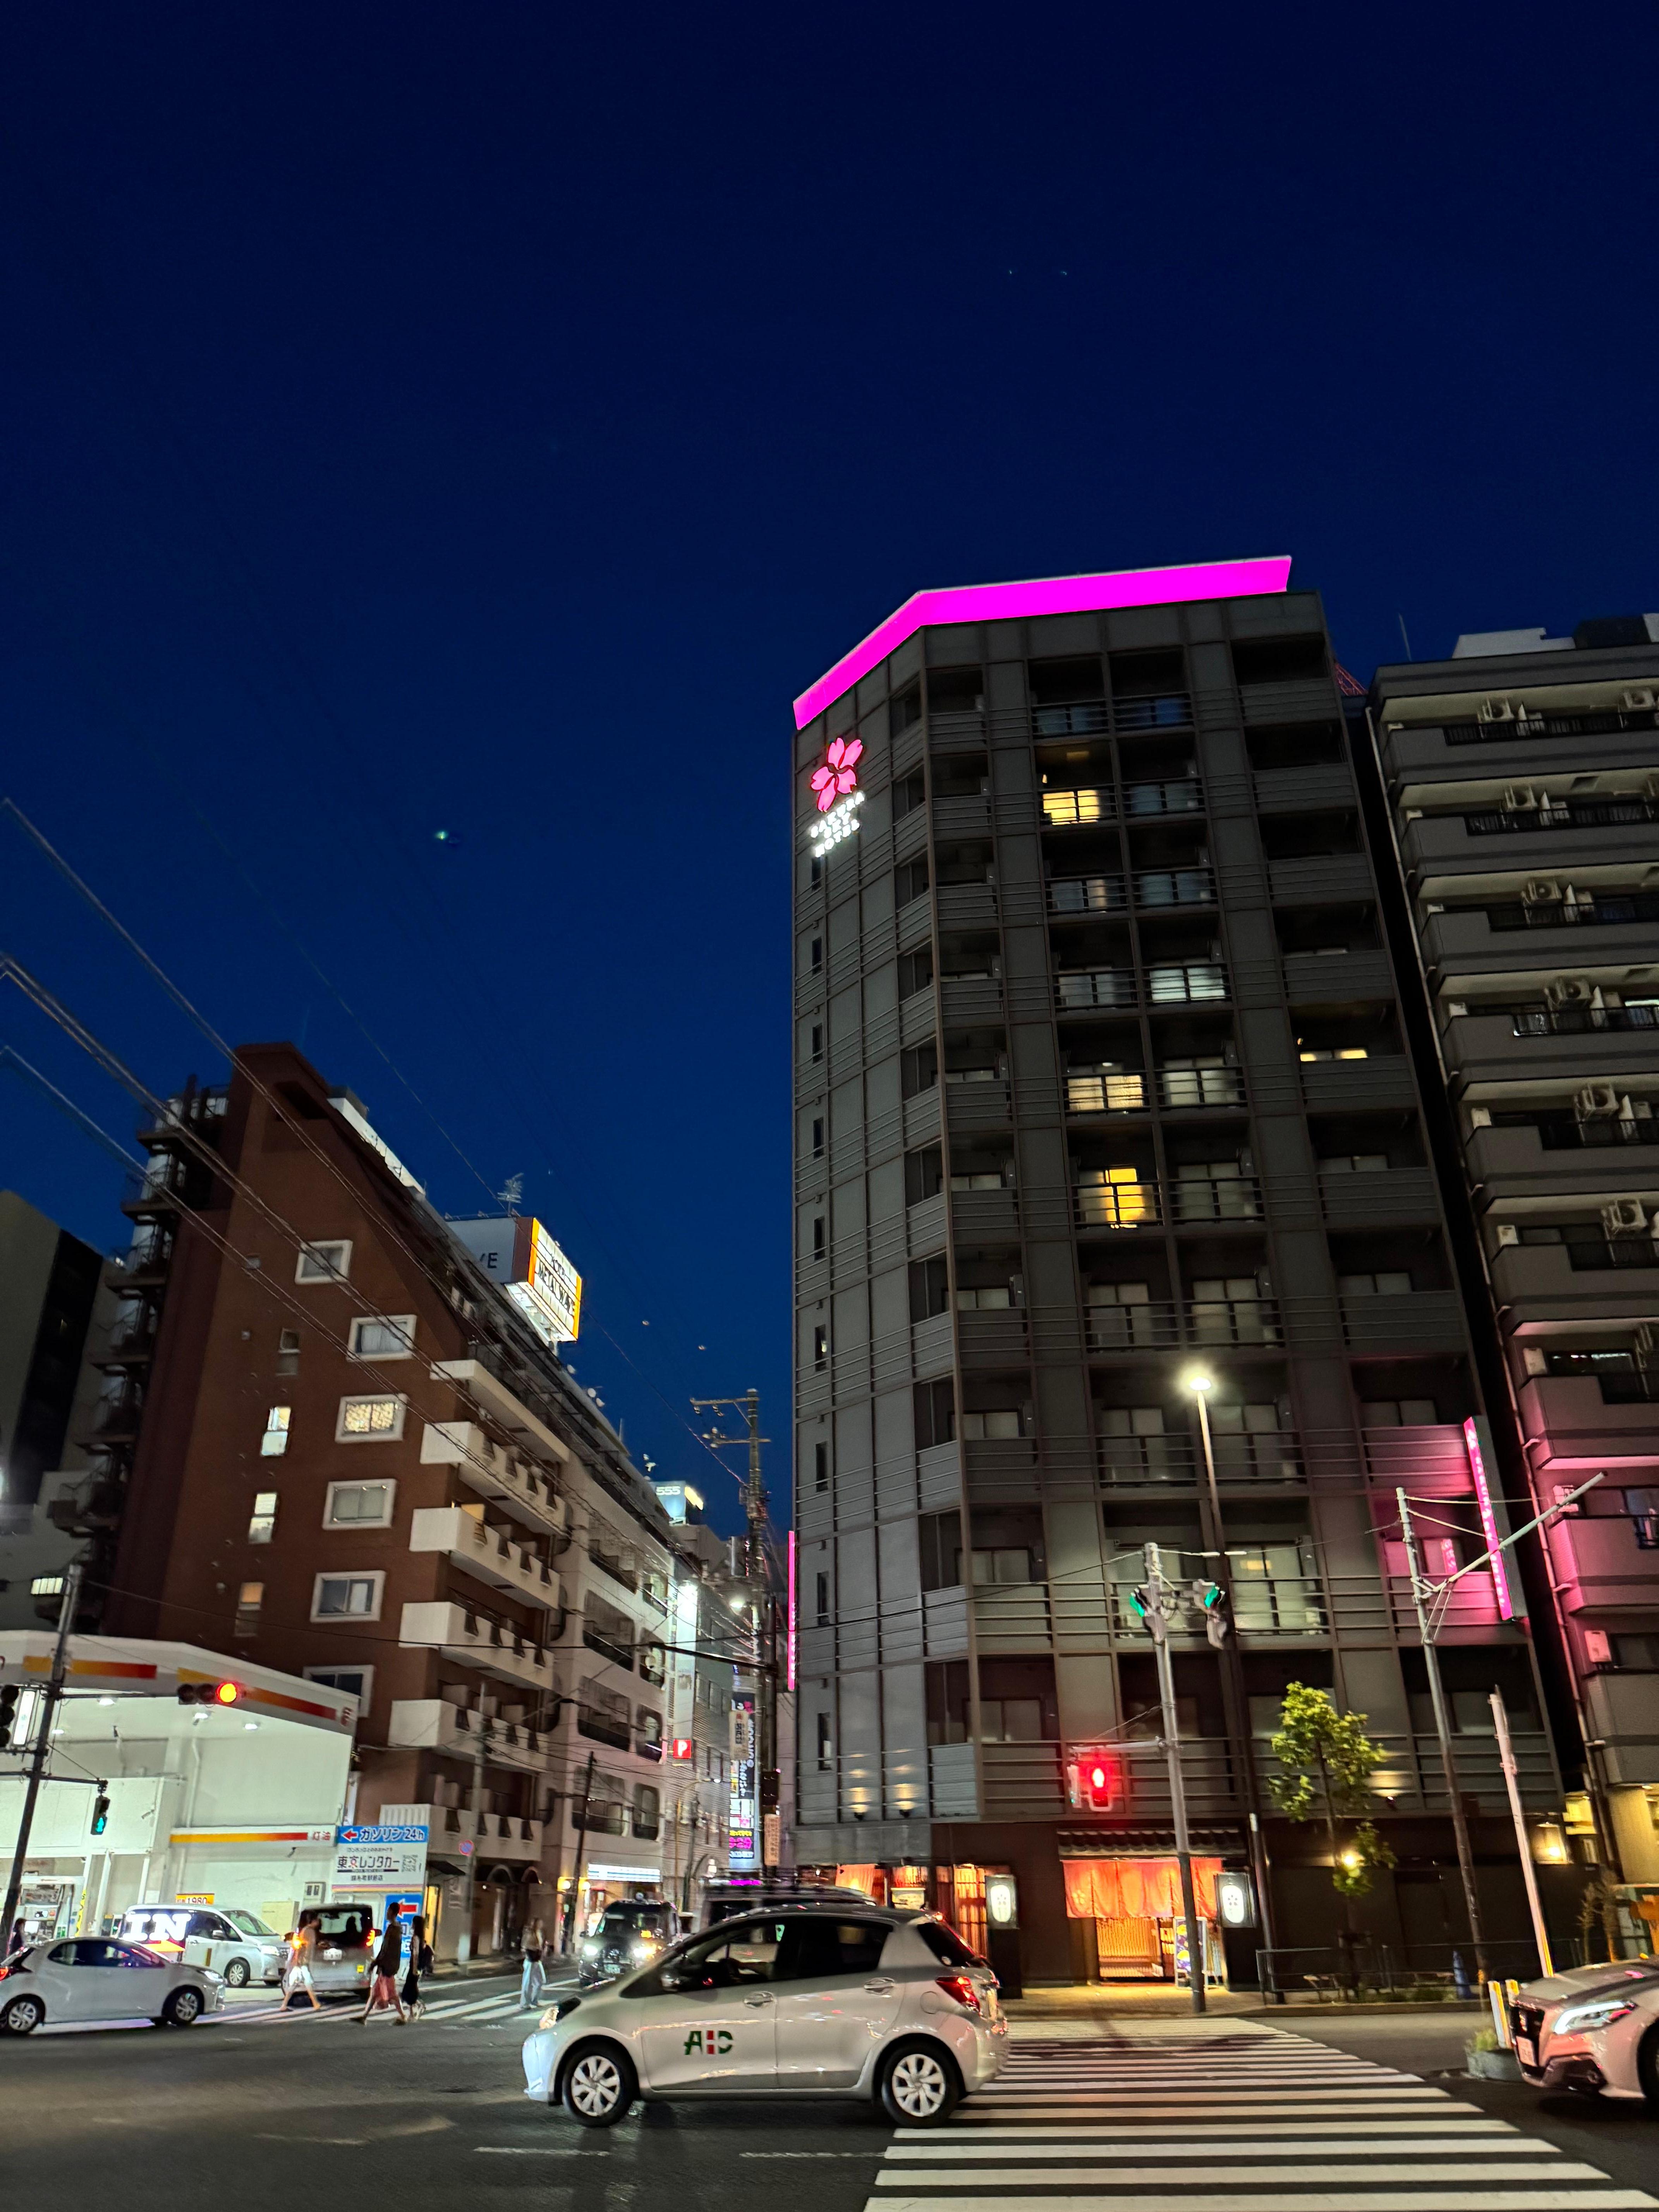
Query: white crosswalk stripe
x=459, y=2007
x=1262, y=2123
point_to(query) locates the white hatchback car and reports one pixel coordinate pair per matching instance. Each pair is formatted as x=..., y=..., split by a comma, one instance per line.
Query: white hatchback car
x=832, y=2001
x=1595, y=2030
x=86, y=1977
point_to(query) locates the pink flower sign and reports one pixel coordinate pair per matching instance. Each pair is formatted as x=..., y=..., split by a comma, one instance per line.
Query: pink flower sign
x=838, y=774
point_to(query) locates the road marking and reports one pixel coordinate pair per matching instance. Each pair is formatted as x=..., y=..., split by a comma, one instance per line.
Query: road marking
x=1295, y=2123
x=1282, y=2143
x=534, y=2150
x=1149, y=2176
x=1384, y=2200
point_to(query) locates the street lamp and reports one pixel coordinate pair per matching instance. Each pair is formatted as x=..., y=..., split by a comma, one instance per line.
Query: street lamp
x=1198, y=1383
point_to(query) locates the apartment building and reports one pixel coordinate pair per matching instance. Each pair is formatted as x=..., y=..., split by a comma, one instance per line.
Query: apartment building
x=709, y=1633
x=1100, y=1079
x=54, y=1317
x=332, y=1443
x=1521, y=778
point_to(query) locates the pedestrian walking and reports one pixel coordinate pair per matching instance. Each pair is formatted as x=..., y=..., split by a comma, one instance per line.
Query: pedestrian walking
x=420, y=1963
x=383, y=1984
x=297, y=1981
x=534, y=1980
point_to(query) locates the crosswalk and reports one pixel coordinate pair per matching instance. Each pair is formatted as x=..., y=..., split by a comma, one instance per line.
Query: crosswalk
x=498, y=2007
x=1246, y=2123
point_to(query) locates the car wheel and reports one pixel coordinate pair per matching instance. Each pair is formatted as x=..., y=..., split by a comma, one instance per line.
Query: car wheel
x=236, y=1974
x=1647, y=2068
x=183, y=2008
x=597, y=2085
x=918, y=2086
x=23, y=2016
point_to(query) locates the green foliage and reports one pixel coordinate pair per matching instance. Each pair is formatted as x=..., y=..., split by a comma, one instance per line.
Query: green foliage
x=1326, y=1761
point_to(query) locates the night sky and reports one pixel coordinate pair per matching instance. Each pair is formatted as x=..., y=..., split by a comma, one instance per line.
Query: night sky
x=483, y=420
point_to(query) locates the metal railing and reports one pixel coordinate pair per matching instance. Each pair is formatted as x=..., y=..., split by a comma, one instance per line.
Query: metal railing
x=1580, y=913
x=1079, y=809
x=1200, y=1086
x=1520, y=730
x=1178, y=795
x=1194, y=1198
x=1162, y=887
x=1574, y=1021
x=1087, y=894
x=1107, y=1198
x=1561, y=814
x=1106, y=1090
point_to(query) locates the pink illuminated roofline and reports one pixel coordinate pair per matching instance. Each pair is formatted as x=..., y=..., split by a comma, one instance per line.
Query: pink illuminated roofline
x=1500, y=1581
x=789, y=1648
x=1044, y=595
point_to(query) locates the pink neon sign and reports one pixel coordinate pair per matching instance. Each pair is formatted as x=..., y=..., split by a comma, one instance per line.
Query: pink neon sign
x=839, y=773
x=1500, y=1581
x=789, y=1648
x=1044, y=595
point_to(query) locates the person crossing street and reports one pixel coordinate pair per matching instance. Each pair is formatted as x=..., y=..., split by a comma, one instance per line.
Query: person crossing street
x=534, y=1978
x=383, y=1985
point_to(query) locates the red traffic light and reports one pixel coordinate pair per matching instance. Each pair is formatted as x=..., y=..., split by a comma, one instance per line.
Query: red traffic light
x=226, y=1693
x=1096, y=1780
x=210, y=1693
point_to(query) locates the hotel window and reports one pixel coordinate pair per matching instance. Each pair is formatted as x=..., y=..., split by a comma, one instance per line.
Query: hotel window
x=817, y=1041
x=820, y=1348
x=817, y=1139
x=817, y=955
x=391, y=1336
x=826, y=1746
x=822, y=1595
x=819, y=1244
x=249, y=1598
x=347, y=1597
x=325, y=1263
x=46, y=1586
x=820, y=1467
x=369, y=1420
x=359, y=1506
x=262, y=1526
x=274, y=1442
x=287, y=1352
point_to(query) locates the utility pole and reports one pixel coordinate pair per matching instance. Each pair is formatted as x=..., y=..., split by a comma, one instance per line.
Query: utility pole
x=1243, y=1748
x=480, y=1747
x=1500, y=1720
x=572, y=1903
x=1442, y=1729
x=1158, y=1620
x=42, y=1751
x=764, y=1612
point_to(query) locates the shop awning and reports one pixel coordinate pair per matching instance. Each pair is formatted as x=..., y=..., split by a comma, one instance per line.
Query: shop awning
x=1135, y=1889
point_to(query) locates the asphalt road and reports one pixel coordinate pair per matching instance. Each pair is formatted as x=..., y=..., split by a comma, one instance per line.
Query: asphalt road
x=263, y=2113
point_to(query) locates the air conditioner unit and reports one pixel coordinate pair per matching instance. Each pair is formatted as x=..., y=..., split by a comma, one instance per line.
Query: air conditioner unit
x=1625, y=1217
x=1533, y=1359
x=1570, y=991
x=1519, y=798
x=1480, y=1117
x=1542, y=891
x=1639, y=702
x=1596, y=1102
x=1505, y=1232
x=1494, y=710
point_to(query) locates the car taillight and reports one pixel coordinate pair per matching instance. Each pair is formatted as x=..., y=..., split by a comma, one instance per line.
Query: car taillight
x=959, y=1987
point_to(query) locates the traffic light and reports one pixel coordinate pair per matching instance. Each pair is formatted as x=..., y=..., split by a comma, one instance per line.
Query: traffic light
x=9, y=1697
x=99, y=1814
x=1100, y=1783
x=1146, y=1605
x=1212, y=1601
x=209, y=1694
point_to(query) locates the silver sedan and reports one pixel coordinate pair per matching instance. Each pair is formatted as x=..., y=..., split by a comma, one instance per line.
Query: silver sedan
x=1595, y=2030
x=91, y=1978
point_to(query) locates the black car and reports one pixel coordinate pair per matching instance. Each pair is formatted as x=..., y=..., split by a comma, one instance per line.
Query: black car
x=629, y=1935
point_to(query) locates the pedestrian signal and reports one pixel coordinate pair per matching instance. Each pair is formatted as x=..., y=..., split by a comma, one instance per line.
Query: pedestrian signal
x=99, y=1814
x=1212, y=1601
x=9, y=1697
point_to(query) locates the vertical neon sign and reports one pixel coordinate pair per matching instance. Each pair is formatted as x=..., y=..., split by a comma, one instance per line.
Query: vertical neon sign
x=789, y=1645
x=1500, y=1581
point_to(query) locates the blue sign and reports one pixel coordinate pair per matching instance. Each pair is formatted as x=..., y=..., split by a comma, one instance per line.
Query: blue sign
x=380, y=1836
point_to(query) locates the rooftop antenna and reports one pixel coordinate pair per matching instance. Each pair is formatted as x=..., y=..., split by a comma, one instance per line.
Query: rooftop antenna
x=511, y=1194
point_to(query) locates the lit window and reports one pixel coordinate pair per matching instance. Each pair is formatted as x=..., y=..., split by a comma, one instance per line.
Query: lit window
x=369, y=1419
x=249, y=1598
x=263, y=1525
x=46, y=1586
x=390, y=1338
x=325, y=1263
x=347, y=1597
x=359, y=1506
x=274, y=1442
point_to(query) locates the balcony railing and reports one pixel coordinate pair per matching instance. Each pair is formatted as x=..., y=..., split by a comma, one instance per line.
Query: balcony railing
x=1164, y=710
x=1561, y=814
x=1164, y=1324
x=1106, y=1090
x=1114, y=1198
x=1080, y=809
x=1087, y=894
x=1200, y=1086
x=1560, y=1133
x=1582, y=912
x=1523, y=731
x=1209, y=1197
x=1574, y=1021
x=1159, y=887
x=1078, y=718
x=1095, y=986
x=1186, y=982
x=1169, y=983
x=1180, y=795
x=1272, y=1456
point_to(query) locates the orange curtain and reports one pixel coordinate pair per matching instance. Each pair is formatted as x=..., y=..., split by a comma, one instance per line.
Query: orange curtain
x=1135, y=1889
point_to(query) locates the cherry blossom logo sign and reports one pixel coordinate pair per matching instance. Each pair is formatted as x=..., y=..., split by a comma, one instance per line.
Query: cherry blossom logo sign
x=835, y=782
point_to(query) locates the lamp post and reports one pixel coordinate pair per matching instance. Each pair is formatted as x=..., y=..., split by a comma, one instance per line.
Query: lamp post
x=1198, y=1383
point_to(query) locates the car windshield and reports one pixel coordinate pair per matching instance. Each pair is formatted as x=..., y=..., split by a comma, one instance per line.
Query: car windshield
x=622, y=1919
x=248, y=1924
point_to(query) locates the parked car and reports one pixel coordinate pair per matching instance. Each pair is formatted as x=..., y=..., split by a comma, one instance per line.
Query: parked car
x=95, y=1977
x=803, y=2001
x=1594, y=2029
x=235, y=1945
x=629, y=1934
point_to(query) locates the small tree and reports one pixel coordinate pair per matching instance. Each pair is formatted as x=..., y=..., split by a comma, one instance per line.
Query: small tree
x=1326, y=1763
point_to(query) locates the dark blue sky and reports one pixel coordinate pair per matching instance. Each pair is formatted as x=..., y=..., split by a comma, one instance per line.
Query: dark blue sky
x=486, y=419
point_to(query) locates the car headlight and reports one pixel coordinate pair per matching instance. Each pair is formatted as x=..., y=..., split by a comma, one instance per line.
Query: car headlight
x=642, y=1947
x=590, y=1949
x=1586, y=2018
